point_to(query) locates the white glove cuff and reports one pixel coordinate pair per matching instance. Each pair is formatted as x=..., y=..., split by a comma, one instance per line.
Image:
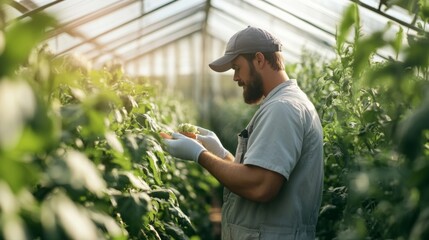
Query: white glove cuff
x=224, y=154
x=198, y=153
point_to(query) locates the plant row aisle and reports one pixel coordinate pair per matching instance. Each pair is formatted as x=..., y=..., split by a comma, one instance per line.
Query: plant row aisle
x=80, y=153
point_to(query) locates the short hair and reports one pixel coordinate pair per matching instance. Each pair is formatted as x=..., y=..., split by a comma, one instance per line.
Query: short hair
x=275, y=59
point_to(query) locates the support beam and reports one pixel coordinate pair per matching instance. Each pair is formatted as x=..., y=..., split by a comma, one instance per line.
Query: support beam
x=311, y=24
x=97, y=45
x=301, y=19
x=20, y=7
x=376, y=10
x=152, y=46
x=115, y=28
x=27, y=12
x=66, y=27
x=125, y=40
x=205, y=90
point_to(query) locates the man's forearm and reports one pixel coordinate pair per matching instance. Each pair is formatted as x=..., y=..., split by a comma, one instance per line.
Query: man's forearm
x=251, y=182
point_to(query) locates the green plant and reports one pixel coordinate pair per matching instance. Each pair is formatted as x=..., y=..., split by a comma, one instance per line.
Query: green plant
x=375, y=126
x=80, y=153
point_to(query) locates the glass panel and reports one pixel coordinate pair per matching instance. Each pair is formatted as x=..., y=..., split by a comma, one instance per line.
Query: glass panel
x=10, y=12
x=394, y=11
x=309, y=24
x=36, y=2
x=143, y=26
x=162, y=36
x=84, y=48
x=149, y=19
x=293, y=32
x=110, y=21
x=62, y=42
x=74, y=9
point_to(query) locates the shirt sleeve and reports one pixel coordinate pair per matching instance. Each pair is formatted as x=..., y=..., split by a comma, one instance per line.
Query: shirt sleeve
x=276, y=140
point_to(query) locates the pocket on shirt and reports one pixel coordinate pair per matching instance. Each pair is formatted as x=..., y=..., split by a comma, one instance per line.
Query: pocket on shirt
x=243, y=233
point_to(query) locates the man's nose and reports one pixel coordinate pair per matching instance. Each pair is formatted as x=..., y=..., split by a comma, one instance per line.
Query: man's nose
x=235, y=77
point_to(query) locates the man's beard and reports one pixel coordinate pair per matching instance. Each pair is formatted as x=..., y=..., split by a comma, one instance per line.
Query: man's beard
x=253, y=89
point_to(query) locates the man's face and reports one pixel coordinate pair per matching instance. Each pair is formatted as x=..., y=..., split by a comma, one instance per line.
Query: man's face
x=246, y=76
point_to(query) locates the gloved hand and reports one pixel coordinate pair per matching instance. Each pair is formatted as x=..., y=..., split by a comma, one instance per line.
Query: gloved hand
x=211, y=142
x=183, y=147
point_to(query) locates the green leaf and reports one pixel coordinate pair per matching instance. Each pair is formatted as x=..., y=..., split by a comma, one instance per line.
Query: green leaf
x=17, y=105
x=21, y=38
x=410, y=130
x=175, y=232
x=136, y=181
x=146, y=121
x=59, y=211
x=349, y=18
x=132, y=208
x=18, y=174
x=113, y=142
x=108, y=223
x=8, y=201
x=397, y=42
x=424, y=9
x=365, y=48
x=163, y=194
x=83, y=173
x=182, y=219
x=417, y=55
x=14, y=228
x=136, y=145
x=151, y=157
x=72, y=116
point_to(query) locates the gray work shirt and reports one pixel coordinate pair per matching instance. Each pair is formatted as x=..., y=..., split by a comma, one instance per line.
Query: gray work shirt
x=284, y=136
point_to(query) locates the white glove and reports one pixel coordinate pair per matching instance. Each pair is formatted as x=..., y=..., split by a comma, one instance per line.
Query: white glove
x=211, y=142
x=184, y=147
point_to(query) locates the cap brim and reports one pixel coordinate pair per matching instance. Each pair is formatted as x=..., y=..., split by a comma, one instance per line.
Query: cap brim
x=222, y=64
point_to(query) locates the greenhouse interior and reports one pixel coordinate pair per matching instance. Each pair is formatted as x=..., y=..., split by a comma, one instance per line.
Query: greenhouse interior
x=88, y=88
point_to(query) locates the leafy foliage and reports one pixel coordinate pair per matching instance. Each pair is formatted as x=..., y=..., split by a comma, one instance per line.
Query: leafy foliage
x=80, y=153
x=376, y=143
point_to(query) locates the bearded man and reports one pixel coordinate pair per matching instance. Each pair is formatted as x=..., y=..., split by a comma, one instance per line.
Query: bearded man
x=273, y=184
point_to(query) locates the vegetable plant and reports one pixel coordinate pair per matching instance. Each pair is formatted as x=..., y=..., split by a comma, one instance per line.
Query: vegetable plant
x=81, y=156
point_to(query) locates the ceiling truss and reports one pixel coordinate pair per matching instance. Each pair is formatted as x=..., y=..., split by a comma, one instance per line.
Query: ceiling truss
x=28, y=8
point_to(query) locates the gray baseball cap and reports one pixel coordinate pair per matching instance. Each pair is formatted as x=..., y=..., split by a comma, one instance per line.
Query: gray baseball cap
x=248, y=40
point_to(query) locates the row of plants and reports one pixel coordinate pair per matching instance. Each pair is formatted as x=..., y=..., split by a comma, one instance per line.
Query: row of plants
x=374, y=114
x=375, y=117
x=80, y=154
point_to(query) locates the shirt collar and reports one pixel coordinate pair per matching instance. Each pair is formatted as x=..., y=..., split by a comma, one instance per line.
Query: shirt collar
x=277, y=89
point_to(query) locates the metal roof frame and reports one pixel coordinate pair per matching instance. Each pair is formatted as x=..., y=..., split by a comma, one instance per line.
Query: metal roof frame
x=66, y=27
x=27, y=12
x=301, y=19
x=190, y=30
x=114, y=28
x=99, y=49
x=382, y=13
x=124, y=40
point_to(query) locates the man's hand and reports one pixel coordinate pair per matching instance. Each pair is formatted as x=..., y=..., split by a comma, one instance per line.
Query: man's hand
x=183, y=147
x=211, y=142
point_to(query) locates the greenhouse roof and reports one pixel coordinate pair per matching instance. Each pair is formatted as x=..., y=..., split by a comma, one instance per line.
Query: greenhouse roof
x=147, y=36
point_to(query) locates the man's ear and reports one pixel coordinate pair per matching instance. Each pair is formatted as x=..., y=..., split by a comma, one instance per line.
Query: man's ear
x=260, y=59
